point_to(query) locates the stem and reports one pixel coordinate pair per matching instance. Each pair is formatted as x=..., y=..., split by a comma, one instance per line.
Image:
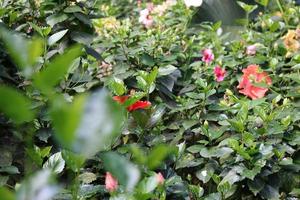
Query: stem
x=282, y=12
x=247, y=19
x=75, y=186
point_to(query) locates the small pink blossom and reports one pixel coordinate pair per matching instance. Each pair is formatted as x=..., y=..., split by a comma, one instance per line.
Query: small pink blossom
x=160, y=178
x=145, y=18
x=150, y=6
x=111, y=184
x=251, y=50
x=208, y=56
x=219, y=73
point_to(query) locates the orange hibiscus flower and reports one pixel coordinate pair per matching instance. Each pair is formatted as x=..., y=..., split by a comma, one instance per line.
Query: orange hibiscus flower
x=252, y=74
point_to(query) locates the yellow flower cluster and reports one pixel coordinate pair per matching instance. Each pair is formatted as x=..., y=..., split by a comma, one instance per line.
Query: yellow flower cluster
x=106, y=25
x=291, y=41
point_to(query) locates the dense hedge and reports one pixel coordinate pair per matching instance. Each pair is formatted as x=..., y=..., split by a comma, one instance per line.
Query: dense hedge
x=113, y=99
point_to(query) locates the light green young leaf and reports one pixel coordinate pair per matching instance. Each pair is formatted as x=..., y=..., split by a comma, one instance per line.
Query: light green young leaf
x=248, y=8
x=117, y=86
x=263, y=2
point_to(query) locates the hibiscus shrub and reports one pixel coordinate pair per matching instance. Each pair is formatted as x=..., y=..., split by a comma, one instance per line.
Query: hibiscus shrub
x=134, y=100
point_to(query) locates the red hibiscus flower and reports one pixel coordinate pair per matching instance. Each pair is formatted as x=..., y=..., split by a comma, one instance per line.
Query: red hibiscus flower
x=137, y=105
x=252, y=74
x=219, y=73
x=120, y=99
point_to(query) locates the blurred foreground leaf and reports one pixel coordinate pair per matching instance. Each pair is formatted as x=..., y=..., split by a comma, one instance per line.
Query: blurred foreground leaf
x=158, y=154
x=56, y=70
x=128, y=176
x=88, y=125
x=38, y=187
x=6, y=194
x=23, y=51
x=15, y=105
x=66, y=118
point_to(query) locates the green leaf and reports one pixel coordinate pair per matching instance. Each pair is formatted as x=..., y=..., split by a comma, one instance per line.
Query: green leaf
x=9, y=170
x=142, y=83
x=166, y=70
x=39, y=186
x=215, y=152
x=237, y=125
x=66, y=119
x=269, y=192
x=128, y=176
x=15, y=105
x=147, y=185
x=36, y=28
x=34, y=156
x=87, y=177
x=56, y=18
x=23, y=51
x=56, y=70
x=256, y=185
x=72, y=9
x=117, y=86
x=74, y=161
x=3, y=180
x=45, y=151
x=55, y=163
x=56, y=37
x=87, y=191
x=205, y=174
x=152, y=76
x=147, y=60
x=248, y=8
x=158, y=154
x=6, y=194
x=263, y=2
x=100, y=124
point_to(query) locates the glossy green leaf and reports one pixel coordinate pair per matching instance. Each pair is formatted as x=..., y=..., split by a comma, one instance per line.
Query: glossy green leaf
x=56, y=18
x=56, y=37
x=55, y=163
